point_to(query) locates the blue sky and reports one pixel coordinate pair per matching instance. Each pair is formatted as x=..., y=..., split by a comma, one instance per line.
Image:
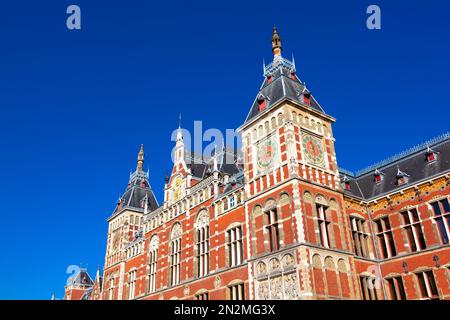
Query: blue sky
x=76, y=105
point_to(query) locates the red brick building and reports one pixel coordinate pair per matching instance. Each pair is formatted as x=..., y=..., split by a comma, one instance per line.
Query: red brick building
x=282, y=221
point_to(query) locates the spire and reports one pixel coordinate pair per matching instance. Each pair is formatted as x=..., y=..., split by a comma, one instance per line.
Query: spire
x=140, y=162
x=276, y=43
x=180, y=131
x=179, y=146
x=97, y=276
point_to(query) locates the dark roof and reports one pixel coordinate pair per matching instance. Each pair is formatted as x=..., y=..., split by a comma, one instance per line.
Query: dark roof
x=229, y=161
x=413, y=163
x=137, y=193
x=87, y=294
x=81, y=278
x=283, y=84
x=234, y=182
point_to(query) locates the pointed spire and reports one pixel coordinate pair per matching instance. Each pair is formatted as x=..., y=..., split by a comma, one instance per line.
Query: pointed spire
x=166, y=178
x=53, y=296
x=97, y=276
x=180, y=131
x=276, y=43
x=140, y=162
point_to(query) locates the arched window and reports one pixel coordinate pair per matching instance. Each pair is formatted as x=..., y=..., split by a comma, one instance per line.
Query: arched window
x=319, y=278
x=330, y=273
x=271, y=226
x=175, y=255
x=234, y=246
x=202, y=243
x=324, y=221
x=344, y=279
x=152, y=263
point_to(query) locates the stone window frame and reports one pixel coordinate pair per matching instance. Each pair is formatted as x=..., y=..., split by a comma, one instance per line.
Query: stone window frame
x=174, y=256
x=444, y=216
x=202, y=243
x=391, y=249
x=152, y=264
x=365, y=244
x=424, y=274
x=236, y=290
x=237, y=244
x=412, y=227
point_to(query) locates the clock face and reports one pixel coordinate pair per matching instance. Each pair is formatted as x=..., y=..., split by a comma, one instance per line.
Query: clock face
x=266, y=154
x=116, y=240
x=313, y=150
x=177, y=184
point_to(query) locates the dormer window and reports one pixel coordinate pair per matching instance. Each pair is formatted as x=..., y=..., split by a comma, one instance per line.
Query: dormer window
x=307, y=98
x=346, y=183
x=269, y=79
x=293, y=75
x=431, y=155
x=378, y=176
x=261, y=102
x=232, y=202
x=402, y=177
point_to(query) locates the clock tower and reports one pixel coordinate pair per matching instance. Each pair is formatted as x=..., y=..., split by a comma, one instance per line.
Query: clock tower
x=287, y=133
x=288, y=147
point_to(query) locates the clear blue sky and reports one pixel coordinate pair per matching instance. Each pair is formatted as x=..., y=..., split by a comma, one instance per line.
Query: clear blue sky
x=76, y=105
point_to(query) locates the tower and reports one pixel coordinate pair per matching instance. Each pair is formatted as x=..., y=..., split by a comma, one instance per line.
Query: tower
x=79, y=286
x=291, y=182
x=124, y=224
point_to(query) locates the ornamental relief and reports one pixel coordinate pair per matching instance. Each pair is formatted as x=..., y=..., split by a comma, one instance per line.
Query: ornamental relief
x=276, y=278
x=154, y=243
x=408, y=195
x=176, y=231
x=202, y=220
x=354, y=206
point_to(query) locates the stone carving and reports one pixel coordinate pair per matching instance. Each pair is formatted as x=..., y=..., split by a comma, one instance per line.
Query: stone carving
x=176, y=231
x=274, y=264
x=282, y=282
x=290, y=287
x=202, y=219
x=288, y=261
x=276, y=288
x=263, y=290
x=217, y=282
x=154, y=243
x=186, y=290
x=261, y=268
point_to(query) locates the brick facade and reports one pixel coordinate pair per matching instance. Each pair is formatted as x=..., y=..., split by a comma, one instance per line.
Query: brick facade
x=284, y=225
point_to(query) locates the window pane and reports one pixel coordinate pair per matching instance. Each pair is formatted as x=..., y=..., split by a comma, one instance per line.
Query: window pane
x=436, y=208
x=445, y=205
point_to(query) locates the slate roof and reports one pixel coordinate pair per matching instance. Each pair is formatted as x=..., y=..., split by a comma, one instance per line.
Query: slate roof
x=234, y=182
x=283, y=84
x=413, y=163
x=229, y=161
x=137, y=192
x=87, y=294
x=82, y=278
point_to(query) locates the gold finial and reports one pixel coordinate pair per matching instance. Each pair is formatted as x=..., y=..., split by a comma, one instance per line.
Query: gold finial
x=276, y=42
x=140, y=162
